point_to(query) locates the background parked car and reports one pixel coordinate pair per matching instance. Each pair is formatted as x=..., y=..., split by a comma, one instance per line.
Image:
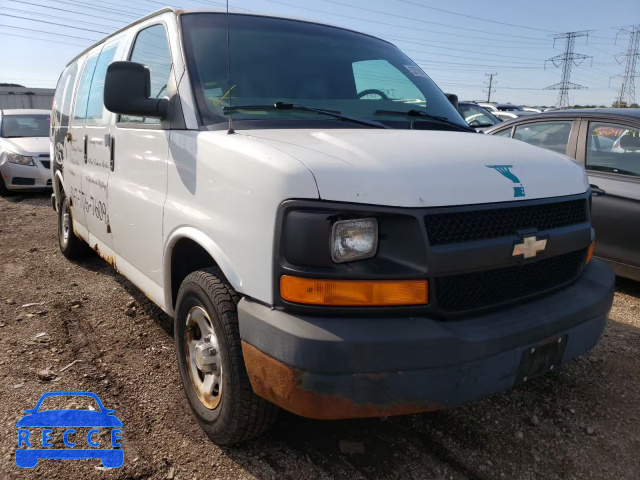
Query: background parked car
x=476, y=116
x=500, y=107
x=506, y=116
x=607, y=143
x=24, y=150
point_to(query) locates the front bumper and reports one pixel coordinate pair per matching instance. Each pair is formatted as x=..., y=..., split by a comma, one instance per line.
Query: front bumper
x=337, y=367
x=26, y=177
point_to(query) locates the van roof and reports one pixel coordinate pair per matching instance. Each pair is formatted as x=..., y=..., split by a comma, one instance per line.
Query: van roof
x=180, y=11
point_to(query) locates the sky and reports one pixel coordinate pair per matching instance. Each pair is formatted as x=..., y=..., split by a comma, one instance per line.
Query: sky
x=456, y=42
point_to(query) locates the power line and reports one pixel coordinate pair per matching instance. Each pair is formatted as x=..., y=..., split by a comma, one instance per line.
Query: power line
x=477, y=18
x=567, y=60
x=52, y=16
x=466, y=58
x=386, y=23
x=387, y=14
x=448, y=42
x=48, y=33
x=41, y=39
x=89, y=5
x=68, y=11
x=52, y=23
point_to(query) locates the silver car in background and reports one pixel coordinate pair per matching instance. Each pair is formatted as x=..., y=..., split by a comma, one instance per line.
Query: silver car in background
x=24, y=150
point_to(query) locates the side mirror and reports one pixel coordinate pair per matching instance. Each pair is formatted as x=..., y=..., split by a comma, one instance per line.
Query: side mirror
x=127, y=88
x=453, y=98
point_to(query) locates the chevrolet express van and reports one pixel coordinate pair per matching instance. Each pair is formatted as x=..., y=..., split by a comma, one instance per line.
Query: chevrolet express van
x=330, y=236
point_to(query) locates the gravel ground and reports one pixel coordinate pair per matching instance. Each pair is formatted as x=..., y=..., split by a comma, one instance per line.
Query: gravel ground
x=580, y=422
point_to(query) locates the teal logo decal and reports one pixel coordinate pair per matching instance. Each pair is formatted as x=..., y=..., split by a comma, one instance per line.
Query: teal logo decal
x=505, y=171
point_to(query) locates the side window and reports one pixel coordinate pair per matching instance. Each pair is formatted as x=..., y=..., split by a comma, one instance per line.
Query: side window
x=64, y=95
x=613, y=148
x=379, y=76
x=80, y=112
x=504, y=133
x=96, y=113
x=151, y=49
x=550, y=135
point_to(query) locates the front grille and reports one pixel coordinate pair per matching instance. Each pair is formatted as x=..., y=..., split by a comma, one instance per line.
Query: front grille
x=459, y=293
x=23, y=181
x=46, y=163
x=469, y=226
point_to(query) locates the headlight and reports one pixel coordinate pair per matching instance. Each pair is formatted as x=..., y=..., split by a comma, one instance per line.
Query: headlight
x=354, y=240
x=19, y=159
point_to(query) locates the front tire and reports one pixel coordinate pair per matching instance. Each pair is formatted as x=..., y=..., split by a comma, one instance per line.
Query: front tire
x=211, y=364
x=4, y=191
x=70, y=245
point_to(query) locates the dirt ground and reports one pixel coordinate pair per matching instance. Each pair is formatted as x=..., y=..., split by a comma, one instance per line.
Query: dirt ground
x=581, y=422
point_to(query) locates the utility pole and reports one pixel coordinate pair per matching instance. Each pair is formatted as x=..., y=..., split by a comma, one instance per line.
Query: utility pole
x=628, y=88
x=567, y=60
x=490, y=91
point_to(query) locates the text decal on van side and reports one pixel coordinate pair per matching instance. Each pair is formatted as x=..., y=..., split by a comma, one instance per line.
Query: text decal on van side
x=505, y=171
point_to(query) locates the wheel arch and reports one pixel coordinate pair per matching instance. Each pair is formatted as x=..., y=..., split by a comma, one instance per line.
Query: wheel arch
x=188, y=249
x=58, y=187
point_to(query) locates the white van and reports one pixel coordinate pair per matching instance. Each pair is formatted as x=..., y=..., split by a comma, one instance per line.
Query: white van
x=329, y=235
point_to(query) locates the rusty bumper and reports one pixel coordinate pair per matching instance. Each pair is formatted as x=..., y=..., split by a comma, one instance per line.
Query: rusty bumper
x=333, y=368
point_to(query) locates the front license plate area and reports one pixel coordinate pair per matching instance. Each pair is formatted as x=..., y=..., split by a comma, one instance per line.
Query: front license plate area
x=541, y=359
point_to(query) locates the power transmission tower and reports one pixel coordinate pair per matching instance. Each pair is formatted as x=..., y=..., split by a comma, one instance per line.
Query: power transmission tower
x=568, y=59
x=490, y=91
x=628, y=88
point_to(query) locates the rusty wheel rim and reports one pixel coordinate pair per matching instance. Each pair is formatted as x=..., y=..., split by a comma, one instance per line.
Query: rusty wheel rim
x=202, y=354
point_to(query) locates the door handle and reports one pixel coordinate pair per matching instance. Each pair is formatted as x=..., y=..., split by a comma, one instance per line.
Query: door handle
x=112, y=155
x=86, y=142
x=596, y=190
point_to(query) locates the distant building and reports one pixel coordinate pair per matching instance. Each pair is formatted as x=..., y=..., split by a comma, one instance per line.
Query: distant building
x=17, y=96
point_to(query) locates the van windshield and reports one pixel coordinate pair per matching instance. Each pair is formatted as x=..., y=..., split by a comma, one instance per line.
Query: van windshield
x=275, y=60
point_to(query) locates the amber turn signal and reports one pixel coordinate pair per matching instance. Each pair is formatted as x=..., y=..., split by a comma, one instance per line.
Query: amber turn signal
x=353, y=293
x=590, y=254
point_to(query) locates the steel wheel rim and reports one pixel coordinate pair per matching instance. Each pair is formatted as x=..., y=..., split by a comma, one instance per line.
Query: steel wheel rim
x=65, y=223
x=202, y=354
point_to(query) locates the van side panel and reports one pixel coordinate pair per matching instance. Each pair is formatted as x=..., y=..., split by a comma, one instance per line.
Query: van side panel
x=229, y=188
x=60, y=118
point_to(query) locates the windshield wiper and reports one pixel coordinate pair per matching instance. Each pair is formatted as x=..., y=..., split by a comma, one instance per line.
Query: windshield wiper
x=420, y=113
x=297, y=106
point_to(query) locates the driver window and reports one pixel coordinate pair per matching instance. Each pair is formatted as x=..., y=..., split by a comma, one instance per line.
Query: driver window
x=378, y=79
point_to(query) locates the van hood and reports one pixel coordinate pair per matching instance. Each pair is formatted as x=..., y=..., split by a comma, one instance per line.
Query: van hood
x=28, y=146
x=413, y=168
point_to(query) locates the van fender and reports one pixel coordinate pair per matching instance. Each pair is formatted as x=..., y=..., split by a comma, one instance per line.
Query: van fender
x=211, y=247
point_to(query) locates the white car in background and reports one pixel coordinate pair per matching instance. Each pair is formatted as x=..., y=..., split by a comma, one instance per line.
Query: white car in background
x=24, y=150
x=506, y=116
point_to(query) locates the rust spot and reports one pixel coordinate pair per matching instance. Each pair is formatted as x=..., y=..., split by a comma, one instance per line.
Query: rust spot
x=108, y=258
x=79, y=236
x=282, y=385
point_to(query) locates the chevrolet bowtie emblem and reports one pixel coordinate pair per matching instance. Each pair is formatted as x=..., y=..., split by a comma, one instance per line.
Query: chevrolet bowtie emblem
x=529, y=247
